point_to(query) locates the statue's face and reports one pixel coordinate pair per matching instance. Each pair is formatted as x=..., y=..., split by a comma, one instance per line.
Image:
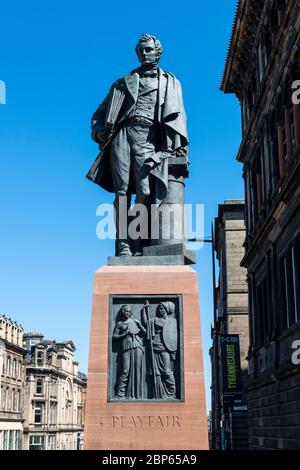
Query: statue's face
x=126, y=312
x=161, y=311
x=147, y=53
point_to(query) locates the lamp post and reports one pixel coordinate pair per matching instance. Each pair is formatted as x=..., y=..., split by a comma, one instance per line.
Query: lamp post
x=215, y=422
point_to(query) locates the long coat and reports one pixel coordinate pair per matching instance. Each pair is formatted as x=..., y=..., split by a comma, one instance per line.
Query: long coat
x=115, y=109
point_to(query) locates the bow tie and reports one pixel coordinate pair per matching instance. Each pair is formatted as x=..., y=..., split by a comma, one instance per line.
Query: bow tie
x=148, y=73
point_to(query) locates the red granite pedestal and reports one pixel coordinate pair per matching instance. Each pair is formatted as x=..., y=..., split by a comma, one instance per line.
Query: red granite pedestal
x=145, y=425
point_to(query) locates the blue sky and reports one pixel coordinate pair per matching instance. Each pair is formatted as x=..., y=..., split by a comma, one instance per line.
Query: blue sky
x=58, y=60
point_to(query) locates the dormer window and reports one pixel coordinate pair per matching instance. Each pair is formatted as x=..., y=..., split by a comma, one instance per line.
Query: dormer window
x=40, y=358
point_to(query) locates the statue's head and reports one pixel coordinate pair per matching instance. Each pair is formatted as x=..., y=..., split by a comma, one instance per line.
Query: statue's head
x=126, y=311
x=165, y=308
x=148, y=49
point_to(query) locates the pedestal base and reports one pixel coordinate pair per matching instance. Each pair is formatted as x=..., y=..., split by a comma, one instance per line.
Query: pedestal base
x=145, y=425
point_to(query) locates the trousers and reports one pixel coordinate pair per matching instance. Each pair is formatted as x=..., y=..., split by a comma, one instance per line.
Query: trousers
x=130, y=148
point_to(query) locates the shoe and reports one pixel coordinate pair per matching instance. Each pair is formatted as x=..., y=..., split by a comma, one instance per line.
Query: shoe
x=125, y=250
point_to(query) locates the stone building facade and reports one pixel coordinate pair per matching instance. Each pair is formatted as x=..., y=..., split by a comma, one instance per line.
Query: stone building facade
x=229, y=419
x=54, y=396
x=12, y=379
x=262, y=67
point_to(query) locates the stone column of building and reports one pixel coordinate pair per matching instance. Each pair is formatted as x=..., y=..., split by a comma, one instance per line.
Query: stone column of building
x=232, y=319
x=12, y=379
x=272, y=245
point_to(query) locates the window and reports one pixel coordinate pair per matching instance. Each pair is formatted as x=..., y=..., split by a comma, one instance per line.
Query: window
x=286, y=130
x=79, y=441
x=18, y=399
x=261, y=313
x=40, y=358
x=3, y=365
x=11, y=440
x=36, y=442
x=255, y=195
x=244, y=114
x=52, y=388
x=290, y=278
x=8, y=371
x=79, y=416
x=13, y=400
x=53, y=413
x=4, y=447
x=3, y=397
x=14, y=364
x=259, y=183
x=38, y=412
x=51, y=442
x=273, y=144
x=18, y=440
x=39, y=386
x=9, y=399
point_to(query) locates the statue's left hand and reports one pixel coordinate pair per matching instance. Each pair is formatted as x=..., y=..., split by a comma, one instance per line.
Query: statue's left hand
x=182, y=152
x=104, y=136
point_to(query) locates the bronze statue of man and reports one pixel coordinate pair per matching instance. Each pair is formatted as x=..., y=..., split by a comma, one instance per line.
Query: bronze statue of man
x=139, y=126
